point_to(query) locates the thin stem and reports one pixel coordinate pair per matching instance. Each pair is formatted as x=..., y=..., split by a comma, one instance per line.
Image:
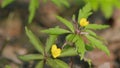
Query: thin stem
x=71, y=62
x=64, y=44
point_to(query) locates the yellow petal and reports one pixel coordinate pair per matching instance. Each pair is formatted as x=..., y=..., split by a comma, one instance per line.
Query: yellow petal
x=55, y=51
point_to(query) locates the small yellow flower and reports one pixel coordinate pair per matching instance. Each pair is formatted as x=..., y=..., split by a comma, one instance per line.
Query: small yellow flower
x=55, y=51
x=83, y=22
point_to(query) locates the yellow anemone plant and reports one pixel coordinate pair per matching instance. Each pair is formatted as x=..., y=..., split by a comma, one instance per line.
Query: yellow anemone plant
x=83, y=22
x=55, y=51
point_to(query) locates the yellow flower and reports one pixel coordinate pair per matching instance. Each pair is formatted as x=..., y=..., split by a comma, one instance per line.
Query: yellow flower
x=55, y=51
x=83, y=22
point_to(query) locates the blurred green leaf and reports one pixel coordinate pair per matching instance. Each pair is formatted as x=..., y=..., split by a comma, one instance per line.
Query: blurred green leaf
x=34, y=4
x=55, y=31
x=68, y=52
x=66, y=23
x=50, y=41
x=84, y=12
x=34, y=40
x=98, y=44
x=91, y=33
x=94, y=4
x=96, y=26
x=107, y=7
x=80, y=46
x=40, y=64
x=89, y=47
x=56, y=63
x=61, y=64
x=51, y=63
x=31, y=57
x=6, y=2
x=70, y=37
x=60, y=3
x=7, y=66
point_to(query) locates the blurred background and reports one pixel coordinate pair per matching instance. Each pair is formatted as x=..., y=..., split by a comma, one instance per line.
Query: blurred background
x=14, y=42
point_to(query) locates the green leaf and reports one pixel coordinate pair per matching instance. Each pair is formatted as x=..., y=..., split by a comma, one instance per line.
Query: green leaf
x=96, y=26
x=84, y=12
x=91, y=33
x=40, y=64
x=55, y=31
x=89, y=47
x=80, y=45
x=70, y=37
x=34, y=4
x=7, y=66
x=94, y=4
x=51, y=63
x=31, y=57
x=56, y=63
x=34, y=40
x=61, y=64
x=68, y=52
x=50, y=41
x=66, y=23
x=60, y=3
x=98, y=44
x=6, y=3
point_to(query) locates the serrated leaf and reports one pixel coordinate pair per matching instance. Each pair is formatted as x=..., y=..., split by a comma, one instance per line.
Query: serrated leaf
x=55, y=31
x=50, y=41
x=40, y=64
x=34, y=40
x=96, y=26
x=34, y=4
x=68, y=52
x=84, y=12
x=66, y=23
x=31, y=57
x=98, y=44
x=80, y=46
x=61, y=64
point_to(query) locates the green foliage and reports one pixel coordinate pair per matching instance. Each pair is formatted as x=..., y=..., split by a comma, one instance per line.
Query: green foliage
x=34, y=4
x=50, y=41
x=91, y=33
x=68, y=52
x=105, y=5
x=34, y=40
x=31, y=57
x=80, y=46
x=98, y=44
x=84, y=12
x=66, y=23
x=78, y=40
x=40, y=64
x=6, y=3
x=71, y=38
x=60, y=3
x=96, y=26
x=7, y=66
x=56, y=63
x=55, y=31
